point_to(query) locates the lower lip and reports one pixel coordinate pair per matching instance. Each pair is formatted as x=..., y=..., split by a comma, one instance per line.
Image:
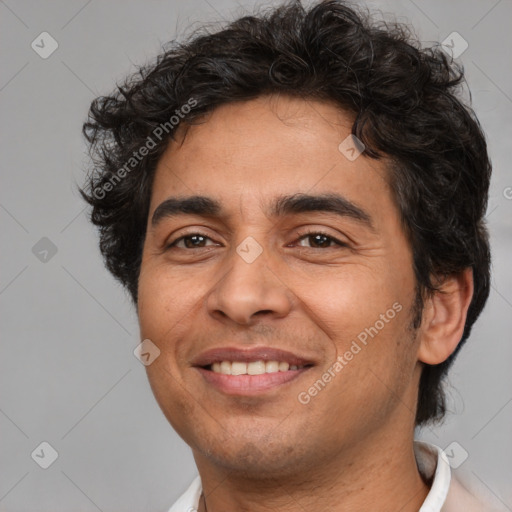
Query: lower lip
x=248, y=385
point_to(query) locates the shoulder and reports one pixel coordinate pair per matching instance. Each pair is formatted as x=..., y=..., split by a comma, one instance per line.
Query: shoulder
x=459, y=498
x=470, y=498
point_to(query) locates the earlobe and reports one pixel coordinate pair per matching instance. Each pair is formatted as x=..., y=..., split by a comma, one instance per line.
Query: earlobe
x=444, y=317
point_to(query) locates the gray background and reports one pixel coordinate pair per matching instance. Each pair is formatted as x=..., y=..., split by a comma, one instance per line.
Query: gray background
x=68, y=375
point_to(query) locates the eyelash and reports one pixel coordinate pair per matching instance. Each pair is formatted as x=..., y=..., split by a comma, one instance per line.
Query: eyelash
x=301, y=237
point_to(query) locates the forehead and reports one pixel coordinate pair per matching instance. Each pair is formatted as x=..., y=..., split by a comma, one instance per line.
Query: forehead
x=251, y=152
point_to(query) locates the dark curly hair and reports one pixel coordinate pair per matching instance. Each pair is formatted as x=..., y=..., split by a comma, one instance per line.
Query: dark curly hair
x=405, y=103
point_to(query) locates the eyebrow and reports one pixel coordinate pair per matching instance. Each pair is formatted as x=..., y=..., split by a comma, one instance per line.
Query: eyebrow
x=281, y=206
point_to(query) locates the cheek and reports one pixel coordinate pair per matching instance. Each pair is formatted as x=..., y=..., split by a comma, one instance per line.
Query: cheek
x=175, y=402
x=164, y=299
x=365, y=315
x=163, y=305
x=344, y=301
x=160, y=309
x=374, y=367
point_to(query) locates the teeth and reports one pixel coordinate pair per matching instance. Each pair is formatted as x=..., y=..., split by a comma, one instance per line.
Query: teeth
x=271, y=367
x=225, y=368
x=252, y=368
x=256, y=368
x=283, y=367
x=238, y=368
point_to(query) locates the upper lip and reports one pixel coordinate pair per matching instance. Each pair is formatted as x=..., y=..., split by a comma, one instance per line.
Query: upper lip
x=217, y=355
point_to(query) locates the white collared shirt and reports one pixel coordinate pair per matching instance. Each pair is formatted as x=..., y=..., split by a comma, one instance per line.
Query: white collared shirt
x=446, y=493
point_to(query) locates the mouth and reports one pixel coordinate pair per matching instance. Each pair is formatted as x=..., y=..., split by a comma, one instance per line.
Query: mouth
x=252, y=368
x=250, y=371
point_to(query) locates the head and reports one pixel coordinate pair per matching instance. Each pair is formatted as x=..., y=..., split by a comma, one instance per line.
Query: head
x=258, y=110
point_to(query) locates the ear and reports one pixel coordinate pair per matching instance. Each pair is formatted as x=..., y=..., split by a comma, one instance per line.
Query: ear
x=444, y=317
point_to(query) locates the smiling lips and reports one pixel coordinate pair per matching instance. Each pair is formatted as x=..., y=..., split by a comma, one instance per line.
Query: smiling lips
x=249, y=371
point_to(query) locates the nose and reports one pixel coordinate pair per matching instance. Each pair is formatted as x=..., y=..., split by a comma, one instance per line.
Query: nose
x=248, y=291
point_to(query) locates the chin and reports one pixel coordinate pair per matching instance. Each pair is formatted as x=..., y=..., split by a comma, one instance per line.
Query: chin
x=254, y=457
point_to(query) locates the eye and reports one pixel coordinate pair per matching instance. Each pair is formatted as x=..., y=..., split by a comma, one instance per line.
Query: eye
x=191, y=241
x=316, y=239
x=320, y=240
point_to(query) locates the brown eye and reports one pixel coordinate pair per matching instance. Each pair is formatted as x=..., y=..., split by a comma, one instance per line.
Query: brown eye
x=318, y=240
x=192, y=241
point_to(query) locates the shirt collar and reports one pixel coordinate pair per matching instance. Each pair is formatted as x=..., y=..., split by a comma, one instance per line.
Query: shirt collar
x=433, y=464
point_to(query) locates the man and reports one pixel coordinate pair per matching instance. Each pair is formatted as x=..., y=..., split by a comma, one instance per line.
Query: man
x=295, y=204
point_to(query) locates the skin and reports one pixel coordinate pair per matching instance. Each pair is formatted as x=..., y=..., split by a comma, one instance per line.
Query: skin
x=351, y=446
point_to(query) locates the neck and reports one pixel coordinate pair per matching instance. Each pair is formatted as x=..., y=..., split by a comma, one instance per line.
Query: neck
x=382, y=471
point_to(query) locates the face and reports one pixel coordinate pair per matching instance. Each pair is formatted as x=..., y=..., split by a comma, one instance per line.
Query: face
x=280, y=302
